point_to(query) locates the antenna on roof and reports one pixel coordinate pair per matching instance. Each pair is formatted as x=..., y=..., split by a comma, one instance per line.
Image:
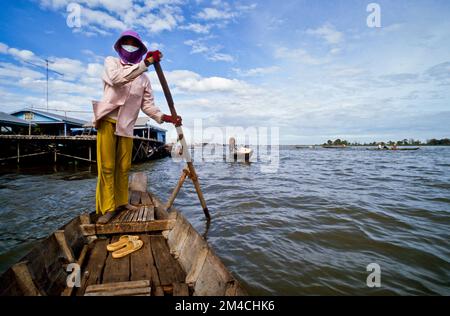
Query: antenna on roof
x=47, y=70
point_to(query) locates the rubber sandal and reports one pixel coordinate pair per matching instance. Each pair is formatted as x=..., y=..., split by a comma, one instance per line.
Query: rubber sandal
x=122, y=242
x=132, y=246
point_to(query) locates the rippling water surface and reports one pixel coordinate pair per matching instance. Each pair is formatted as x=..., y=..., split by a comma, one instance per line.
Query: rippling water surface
x=309, y=229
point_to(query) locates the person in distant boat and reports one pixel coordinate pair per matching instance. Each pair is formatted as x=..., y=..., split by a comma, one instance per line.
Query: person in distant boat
x=127, y=90
x=394, y=146
x=380, y=146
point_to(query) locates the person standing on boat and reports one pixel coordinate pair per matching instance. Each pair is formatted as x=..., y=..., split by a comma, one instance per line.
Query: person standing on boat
x=126, y=91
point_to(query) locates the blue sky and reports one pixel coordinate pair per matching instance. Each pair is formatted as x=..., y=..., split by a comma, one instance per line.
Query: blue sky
x=312, y=68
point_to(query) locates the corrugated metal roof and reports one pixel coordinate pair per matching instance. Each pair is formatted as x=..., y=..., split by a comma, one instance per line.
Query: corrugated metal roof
x=11, y=119
x=57, y=117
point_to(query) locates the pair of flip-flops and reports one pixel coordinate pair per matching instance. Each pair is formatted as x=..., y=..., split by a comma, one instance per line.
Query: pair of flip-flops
x=124, y=246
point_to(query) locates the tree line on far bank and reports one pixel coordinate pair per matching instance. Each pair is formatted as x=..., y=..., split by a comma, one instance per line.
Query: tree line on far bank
x=404, y=142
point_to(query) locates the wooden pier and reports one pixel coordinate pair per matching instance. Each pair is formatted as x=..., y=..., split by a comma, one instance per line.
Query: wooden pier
x=19, y=148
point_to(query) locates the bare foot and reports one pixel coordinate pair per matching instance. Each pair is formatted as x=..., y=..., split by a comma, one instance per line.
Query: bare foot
x=104, y=219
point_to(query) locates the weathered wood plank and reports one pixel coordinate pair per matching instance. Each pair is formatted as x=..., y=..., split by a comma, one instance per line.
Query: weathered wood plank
x=24, y=279
x=69, y=290
x=131, y=216
x=144, y=214
x=214, y=277
x=127, y=217
x=176, y=250
x=118, y=285
x=180, y=289
x=135, y=198
x=235, y=289
x=145, y=199
x=159, y=291
x=127, y=228
x=9, y=285
x=178, y=234
x=74, y=236
x=65, y=248
x=138, y=182
x=196, y=267
x=116, y=270
x=194, y=246
x=85, y=218
x=160, y=211
x=119, y=217
x=125, y=292
x=142, y=261
x=141, y=214
x=48, y=268
x=94, y=266
x=172, y=215
x=150, y=213
x=169, y=270
x=135, y=215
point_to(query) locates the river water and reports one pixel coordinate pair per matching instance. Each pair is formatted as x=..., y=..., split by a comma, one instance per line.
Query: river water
x=310, y=228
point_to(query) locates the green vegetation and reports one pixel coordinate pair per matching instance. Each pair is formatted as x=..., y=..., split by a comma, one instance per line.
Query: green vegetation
x=337, y=142
x=404, y=142
x=439, y=142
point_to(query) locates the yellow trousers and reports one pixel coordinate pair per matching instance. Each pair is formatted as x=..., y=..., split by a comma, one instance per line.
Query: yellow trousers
x=113, y=164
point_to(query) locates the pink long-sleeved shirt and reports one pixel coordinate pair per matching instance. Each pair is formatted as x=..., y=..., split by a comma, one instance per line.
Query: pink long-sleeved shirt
x=126, y=91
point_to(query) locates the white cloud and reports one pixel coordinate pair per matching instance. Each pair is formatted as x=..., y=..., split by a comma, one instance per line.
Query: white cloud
x=196, y=46
x=212, y=53
x=256, y=71
x=327, y=32
x=71, y=68
x=3, y=48
x=221, y=57
x=154, y=46
x=101, y=16
x=8, y=70
x=94, y=70
x=191, y=82
x=214, y=14
x=299, y=55
x=197, y=28
x=110, y=5
x=22, y=54
x=100, y=19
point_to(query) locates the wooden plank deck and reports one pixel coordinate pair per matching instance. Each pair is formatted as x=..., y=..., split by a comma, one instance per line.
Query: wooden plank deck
x=152, y=263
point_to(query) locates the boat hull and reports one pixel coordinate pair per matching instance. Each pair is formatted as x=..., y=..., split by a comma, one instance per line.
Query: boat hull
x=175, y=259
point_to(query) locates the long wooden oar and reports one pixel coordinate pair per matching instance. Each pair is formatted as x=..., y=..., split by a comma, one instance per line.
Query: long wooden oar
x=190, y=170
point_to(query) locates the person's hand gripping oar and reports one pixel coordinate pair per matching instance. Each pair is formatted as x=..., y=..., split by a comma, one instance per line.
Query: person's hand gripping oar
x=155, y=58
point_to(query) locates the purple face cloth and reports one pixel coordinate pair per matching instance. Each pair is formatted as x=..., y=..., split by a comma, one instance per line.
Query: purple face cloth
x=127, y=57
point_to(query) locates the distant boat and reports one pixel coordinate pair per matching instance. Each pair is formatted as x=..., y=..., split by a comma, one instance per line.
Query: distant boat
x=335, y=146
x=398, y=149
x=241, y=153
x=306, y=147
